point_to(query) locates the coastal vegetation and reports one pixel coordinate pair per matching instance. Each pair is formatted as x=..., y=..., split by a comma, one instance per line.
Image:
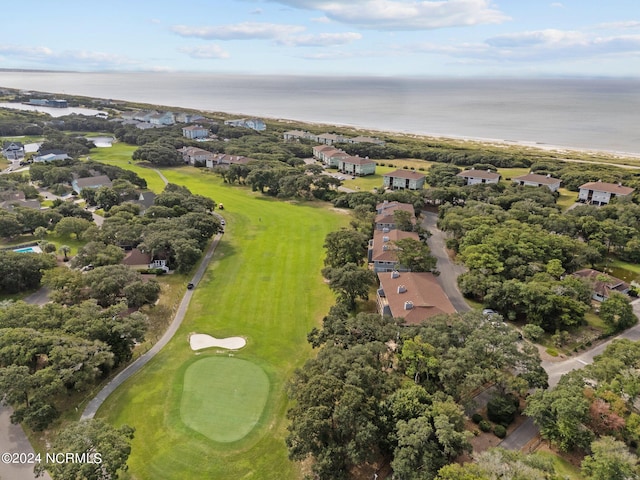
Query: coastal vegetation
x=362, y=395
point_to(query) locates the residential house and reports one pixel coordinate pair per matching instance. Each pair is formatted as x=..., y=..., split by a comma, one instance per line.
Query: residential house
x=361, y=139
x=9, y=200
x=224, y=160
x=474, y=177
x=195, y=131
x=145, y=200
x=385, y=219
x=404, y=180
x=163, y=118
x=298, y=134
x=252, y=123
x=137, y=259
x=48, y=102
x=50, y=156
x=184, y=117
x=78, y=184
x=330, y=156
x=357, y=166
x=535, y=180
x=330, y=138
x=13, y=150
x=412, y=296
x=193, y=155
x=603, y=284
x=382, y=254
x=601, y=193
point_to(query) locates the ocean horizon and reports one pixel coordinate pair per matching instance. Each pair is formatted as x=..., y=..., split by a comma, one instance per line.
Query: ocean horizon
x=575, y=113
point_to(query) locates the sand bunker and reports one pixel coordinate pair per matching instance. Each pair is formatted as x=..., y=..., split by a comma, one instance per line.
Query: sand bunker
x=198, y=341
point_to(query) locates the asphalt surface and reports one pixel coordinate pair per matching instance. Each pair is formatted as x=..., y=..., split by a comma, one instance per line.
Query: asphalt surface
x=527, y=431
x=14, y=441
x=449, y=271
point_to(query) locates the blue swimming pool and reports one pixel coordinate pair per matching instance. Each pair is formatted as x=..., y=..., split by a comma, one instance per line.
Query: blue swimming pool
x=28, y=250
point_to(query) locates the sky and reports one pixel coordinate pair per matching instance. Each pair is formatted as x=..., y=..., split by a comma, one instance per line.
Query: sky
x=460, y=38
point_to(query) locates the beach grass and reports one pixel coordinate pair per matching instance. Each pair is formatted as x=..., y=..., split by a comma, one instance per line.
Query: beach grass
x=264, y=284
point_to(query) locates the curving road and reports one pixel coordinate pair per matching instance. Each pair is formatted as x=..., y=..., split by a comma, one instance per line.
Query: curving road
x=527, y=431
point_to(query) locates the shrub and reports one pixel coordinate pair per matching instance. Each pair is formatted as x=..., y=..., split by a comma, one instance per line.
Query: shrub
x=485, y=426
x=499, y=431
x=476, y=418
x=532, y=332
x=552, y=351
x=502, y=409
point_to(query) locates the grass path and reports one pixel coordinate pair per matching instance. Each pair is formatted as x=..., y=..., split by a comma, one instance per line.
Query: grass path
x=264, y=284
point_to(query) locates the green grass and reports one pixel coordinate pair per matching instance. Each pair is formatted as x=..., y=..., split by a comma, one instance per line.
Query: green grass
x=564, y=469
x=632, y=267
x=223, y=398
x=508, y=174
x=264, y=284
x=566, y=198
x=120, y=155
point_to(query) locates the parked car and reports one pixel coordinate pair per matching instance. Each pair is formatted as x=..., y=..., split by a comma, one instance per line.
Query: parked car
x=190, y=286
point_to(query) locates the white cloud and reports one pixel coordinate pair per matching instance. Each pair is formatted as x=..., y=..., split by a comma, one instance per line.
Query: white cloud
x=321, y=20
x=543, y=45
x=205, y=52
x=405, y=15
x=557, y=5
x=238, y=31
x=69, y=58
x=327, y=56
x=320, y=40
x=628, y=24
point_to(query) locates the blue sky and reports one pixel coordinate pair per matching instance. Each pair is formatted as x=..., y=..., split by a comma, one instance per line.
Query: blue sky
x=526, y=38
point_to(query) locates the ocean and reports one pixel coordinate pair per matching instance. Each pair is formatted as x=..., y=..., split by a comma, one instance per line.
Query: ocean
x=592, y=114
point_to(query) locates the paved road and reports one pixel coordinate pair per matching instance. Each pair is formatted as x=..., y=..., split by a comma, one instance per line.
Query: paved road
x=449, y=271
x=39, y=297
x=93, y=406
x=527, y=431
x=14, y=440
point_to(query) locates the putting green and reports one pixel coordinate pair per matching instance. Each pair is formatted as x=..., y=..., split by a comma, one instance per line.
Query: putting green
x=223, y=398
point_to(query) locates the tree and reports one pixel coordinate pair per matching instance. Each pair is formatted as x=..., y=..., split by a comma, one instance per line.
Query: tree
x=345, y=246
x=72, y=225
x=98, y=254
x=22, y=271
x=617, y=312
x=106, y=197
x=415, y=255
x=349, y=282
x=610, y=460
x=10, y=227
x=65, y=249
x=402, y=219
x=105, y=449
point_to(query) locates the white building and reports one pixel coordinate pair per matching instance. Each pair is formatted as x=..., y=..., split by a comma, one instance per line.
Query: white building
x=601, y=193
x=474, y=177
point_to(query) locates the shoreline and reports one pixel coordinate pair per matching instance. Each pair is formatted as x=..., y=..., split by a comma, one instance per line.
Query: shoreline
x=487, y=141
x=496, y=142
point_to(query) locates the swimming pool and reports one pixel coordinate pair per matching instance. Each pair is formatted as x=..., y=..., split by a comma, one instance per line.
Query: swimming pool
x=28, y=250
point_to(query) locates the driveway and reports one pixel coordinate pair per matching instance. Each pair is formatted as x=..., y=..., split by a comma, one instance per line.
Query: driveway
x=449, y=271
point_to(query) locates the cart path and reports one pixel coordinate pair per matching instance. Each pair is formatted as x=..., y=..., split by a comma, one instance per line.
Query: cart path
x=93, y=406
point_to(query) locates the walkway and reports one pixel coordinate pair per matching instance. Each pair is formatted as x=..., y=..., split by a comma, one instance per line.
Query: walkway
x=93, y=406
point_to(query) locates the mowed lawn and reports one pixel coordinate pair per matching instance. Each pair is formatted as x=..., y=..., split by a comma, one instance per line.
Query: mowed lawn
x=120, y=155
x=264, y=284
